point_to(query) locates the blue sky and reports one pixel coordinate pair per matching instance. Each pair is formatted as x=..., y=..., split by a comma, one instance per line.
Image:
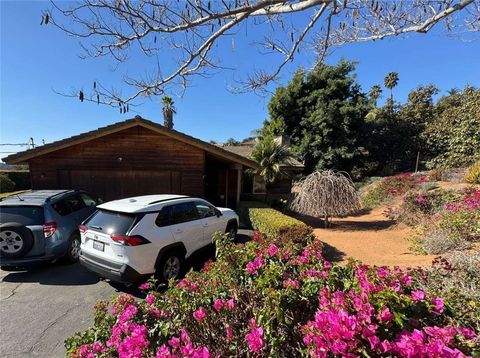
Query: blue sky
x=37, y=59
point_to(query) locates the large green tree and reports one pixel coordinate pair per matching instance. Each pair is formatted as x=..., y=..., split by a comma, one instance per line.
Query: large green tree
x=323, y=112
x=453, y=136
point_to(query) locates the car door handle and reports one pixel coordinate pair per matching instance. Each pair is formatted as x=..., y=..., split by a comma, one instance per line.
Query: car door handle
x=178, y=231
x=205, y=225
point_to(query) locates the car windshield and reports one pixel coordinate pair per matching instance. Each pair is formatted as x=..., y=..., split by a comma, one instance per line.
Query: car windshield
x=25, y=215
x=111, y=222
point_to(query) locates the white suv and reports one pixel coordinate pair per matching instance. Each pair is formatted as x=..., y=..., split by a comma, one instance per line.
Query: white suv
x=128, y=239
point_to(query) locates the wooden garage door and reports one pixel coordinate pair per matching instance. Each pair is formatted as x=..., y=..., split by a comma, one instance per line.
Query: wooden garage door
x=116, y=184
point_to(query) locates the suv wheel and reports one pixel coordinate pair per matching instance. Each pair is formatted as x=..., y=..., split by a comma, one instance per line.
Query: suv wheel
x=232, y=230
x=15, y=240
x=73, y=251
x=170, y=266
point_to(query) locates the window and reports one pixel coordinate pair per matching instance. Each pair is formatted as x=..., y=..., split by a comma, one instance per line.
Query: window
x=164, y=216
x=205, y=210
x=25, y=215
x=184, y=212
x=87, y=200
x=62, y=208
x=75, y=202
x=111, y=222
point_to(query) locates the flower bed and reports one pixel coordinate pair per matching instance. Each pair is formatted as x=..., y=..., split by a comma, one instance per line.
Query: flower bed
x=274, y=297
x=391, y=187
x=447, y=220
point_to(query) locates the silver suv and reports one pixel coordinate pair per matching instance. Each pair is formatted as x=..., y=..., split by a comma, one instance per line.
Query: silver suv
x=42, y=225
x=128, y=239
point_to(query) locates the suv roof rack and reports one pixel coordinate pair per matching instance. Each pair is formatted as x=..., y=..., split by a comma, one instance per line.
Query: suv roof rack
x=168, y=199
x=61, y=193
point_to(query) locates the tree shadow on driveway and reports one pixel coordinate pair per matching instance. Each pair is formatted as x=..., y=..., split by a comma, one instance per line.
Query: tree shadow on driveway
x=59, y=274
x=56, y=274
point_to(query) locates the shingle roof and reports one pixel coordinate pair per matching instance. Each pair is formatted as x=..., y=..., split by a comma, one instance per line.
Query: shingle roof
x=24, y=156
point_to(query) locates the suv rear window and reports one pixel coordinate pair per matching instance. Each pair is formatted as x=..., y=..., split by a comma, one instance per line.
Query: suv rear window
x=25, y=215
x=111, y=222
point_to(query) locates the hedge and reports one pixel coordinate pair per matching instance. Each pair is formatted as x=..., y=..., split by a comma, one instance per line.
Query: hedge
x=6, y=184
x=272, y=222
x=21, y=179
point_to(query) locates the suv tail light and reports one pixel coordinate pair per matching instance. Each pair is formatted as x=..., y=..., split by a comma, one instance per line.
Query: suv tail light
x=49, y=229
x=82, y=229
x=129, y=240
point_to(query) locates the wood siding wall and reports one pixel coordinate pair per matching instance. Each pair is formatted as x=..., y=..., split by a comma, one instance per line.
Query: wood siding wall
x=135, y=161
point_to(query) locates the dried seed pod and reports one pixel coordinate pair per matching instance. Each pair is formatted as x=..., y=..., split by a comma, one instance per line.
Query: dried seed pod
x=155, y=40
x=81, y=96
x=41, y=22
x=94, y=85
x=98, y=99
x=47, y=18
x=128, y=109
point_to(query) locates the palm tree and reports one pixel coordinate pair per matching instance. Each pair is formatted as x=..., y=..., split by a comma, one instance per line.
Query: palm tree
x=270, y=155
x=168, y=111
x=391, y=81
x=375, y=93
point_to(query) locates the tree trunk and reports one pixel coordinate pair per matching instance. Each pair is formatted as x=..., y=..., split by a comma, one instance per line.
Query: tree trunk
x=326, y=222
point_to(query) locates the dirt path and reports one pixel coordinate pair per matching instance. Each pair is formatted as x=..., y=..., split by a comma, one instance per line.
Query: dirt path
x=371, y=238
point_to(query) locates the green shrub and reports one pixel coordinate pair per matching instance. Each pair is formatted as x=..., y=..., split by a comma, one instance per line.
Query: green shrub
x=21, y=179
x=271, y=222
x=472, y=174
x=6, y=184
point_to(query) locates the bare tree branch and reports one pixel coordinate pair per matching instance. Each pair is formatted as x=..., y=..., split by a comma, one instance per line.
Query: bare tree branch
x=189, y=32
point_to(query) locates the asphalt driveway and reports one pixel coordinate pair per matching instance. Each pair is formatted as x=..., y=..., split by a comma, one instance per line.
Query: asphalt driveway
x=41, y=307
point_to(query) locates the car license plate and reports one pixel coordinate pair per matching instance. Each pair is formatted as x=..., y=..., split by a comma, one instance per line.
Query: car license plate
x=97, y=245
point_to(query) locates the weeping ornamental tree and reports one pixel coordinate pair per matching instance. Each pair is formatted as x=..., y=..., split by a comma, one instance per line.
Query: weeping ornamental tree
x=325, y=194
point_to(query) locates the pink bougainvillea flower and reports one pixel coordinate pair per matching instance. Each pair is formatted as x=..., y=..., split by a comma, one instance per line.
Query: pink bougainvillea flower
x=200, y=314
x=184, y=335
x=418, y=295
x=229, y=333
x=174, y=342
x=230, y=304
x=163, y=352
x=257, y=236
x=289, y=283
x=272, y=249
x=150, y=299
x=406, y=280
x=327, y=265
x=144, y=286
x=218, y=304
x=255, y=337
x=385, y=315
x=438, y=304
x=254, y=265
